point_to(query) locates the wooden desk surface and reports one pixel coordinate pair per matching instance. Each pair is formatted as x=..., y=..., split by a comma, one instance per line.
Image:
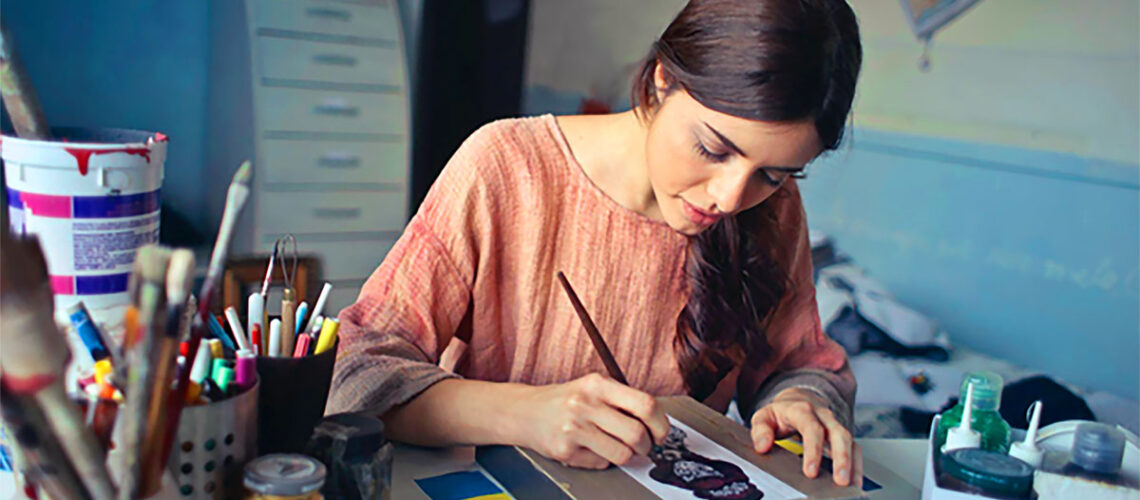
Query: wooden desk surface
x=897, y=459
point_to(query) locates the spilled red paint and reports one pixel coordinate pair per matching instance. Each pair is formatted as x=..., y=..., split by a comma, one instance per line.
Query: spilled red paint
x=82, y=156
x=160, y=137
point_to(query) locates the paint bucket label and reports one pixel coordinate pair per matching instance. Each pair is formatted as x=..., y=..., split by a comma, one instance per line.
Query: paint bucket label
x=93, y=238
x=92, y=197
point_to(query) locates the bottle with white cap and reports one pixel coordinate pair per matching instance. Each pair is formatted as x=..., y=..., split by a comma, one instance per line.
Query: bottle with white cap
x=985, y=417
x=1027, y=451
x=963, y=436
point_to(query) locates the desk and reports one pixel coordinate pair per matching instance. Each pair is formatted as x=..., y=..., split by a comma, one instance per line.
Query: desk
x=901, y=456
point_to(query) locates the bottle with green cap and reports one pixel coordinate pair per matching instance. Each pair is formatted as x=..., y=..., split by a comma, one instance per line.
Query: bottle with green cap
x=984, y=416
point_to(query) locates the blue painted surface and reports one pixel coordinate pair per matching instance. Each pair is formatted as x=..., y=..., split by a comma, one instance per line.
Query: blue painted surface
x=1026, y=255
x=126, y=64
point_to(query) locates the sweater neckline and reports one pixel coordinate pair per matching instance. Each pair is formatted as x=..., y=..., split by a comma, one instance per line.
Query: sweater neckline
x=578, y=176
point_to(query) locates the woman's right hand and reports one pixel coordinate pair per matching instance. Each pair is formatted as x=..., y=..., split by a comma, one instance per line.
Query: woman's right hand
x=590, y=422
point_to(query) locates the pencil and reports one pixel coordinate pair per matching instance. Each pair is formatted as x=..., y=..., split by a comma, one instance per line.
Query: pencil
x=600, y=345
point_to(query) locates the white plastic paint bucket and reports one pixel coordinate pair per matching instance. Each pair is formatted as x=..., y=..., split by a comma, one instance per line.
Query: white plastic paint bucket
x=92, y=197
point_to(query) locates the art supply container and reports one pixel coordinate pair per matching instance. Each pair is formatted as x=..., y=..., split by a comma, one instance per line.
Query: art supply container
x=92, y=197
x=993, y=474
x=1098, y=452
x=292, y=400
x=214, y=443
x=284, y=476
x=356, y=454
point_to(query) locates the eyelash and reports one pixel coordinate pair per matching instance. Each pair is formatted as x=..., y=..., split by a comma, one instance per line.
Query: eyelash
x=767, y=177
x=776, y=183
x=709, y=155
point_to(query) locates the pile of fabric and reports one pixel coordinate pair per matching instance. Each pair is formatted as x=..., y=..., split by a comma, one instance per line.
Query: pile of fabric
x=908, y=370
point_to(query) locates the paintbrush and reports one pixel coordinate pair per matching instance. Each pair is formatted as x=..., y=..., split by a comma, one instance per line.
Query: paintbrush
x=600, y=346
x=143, y=397
x=235, y=199
x=19, y=94
x=35, y=356
x=41, y=458
x=178, y=278
x=265, y=285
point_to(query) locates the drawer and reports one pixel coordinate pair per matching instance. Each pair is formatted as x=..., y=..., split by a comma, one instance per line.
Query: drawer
x=329, y=62
x=325, y=111
x=343, y=294
x=325, y=212
x=327, y=18
x=309, y=161
x=348, y=260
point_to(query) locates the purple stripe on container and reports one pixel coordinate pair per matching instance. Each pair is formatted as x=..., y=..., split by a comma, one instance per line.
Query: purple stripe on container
x=14, y=200
x=103, y=207
x=107, y=283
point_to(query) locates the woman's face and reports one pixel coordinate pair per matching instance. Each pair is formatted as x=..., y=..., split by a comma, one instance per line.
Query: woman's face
x=704, y=165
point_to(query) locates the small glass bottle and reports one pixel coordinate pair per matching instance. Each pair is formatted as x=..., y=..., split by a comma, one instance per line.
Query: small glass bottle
x=284, y=476
x=1097, y=453
x=985, y=419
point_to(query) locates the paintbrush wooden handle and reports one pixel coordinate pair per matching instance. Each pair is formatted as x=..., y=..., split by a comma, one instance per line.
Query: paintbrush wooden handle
x=19, y=95
x=38, y=452
x=35, y=355
x=592, y=330
x=288, y=322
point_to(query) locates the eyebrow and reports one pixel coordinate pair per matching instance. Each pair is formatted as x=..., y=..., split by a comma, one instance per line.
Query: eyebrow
x=724, y=140
x=731, y=145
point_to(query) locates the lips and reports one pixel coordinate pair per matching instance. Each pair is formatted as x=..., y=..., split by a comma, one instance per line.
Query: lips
x=698, y=216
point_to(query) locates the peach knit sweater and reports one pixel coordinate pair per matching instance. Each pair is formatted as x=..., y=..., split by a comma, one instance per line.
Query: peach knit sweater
x=478, y=263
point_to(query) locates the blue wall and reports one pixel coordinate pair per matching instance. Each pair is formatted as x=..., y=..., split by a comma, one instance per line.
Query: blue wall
x=1026, y=255
x=127, y=64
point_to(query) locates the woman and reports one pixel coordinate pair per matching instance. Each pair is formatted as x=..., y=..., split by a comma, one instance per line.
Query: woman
x=681, y=227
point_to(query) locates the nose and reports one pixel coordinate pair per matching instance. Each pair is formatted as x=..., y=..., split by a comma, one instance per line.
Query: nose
x=729, y=189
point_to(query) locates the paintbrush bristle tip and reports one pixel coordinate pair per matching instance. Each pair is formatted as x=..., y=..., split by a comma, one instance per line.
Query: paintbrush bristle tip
x=153, y=261
x=180, y=275
x=244, y=174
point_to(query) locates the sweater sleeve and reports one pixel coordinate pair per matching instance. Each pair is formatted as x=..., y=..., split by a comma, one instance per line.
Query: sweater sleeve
x=408, y=311
x=802, y=355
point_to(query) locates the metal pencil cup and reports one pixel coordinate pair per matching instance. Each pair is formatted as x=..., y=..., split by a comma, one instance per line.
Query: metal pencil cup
x=214, y=442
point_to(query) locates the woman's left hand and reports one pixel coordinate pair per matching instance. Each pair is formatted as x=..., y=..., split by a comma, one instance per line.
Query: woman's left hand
x=798, y=410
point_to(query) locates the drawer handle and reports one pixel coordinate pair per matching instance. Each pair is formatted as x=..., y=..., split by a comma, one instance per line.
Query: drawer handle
x=338, y=160
x=336, y=109
x=336, y=213
x=329, y=13
x=334, y=60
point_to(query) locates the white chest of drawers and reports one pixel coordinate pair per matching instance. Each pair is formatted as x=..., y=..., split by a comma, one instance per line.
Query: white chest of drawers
x=315, y=93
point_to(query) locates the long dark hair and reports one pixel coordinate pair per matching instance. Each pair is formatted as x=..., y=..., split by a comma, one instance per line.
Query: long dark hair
x=767, y=60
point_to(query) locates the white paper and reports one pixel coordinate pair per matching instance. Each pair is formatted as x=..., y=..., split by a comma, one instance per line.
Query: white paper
x=697, y=443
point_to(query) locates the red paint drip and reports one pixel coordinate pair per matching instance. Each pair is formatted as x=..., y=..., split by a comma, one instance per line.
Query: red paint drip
x=82, y=156
x=160, y=137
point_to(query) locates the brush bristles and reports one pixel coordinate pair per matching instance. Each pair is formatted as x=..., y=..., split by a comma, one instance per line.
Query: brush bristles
x=243, y=175
x=180, y=276
x=153, y=261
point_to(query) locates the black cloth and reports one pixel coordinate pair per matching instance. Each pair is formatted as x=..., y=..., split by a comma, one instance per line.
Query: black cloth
x=1059, y=404
x=856, y=335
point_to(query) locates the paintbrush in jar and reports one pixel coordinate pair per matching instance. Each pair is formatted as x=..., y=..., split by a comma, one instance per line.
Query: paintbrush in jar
x=236, y=196
x=35, y=356
x=178, y=277
x=143, y=397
